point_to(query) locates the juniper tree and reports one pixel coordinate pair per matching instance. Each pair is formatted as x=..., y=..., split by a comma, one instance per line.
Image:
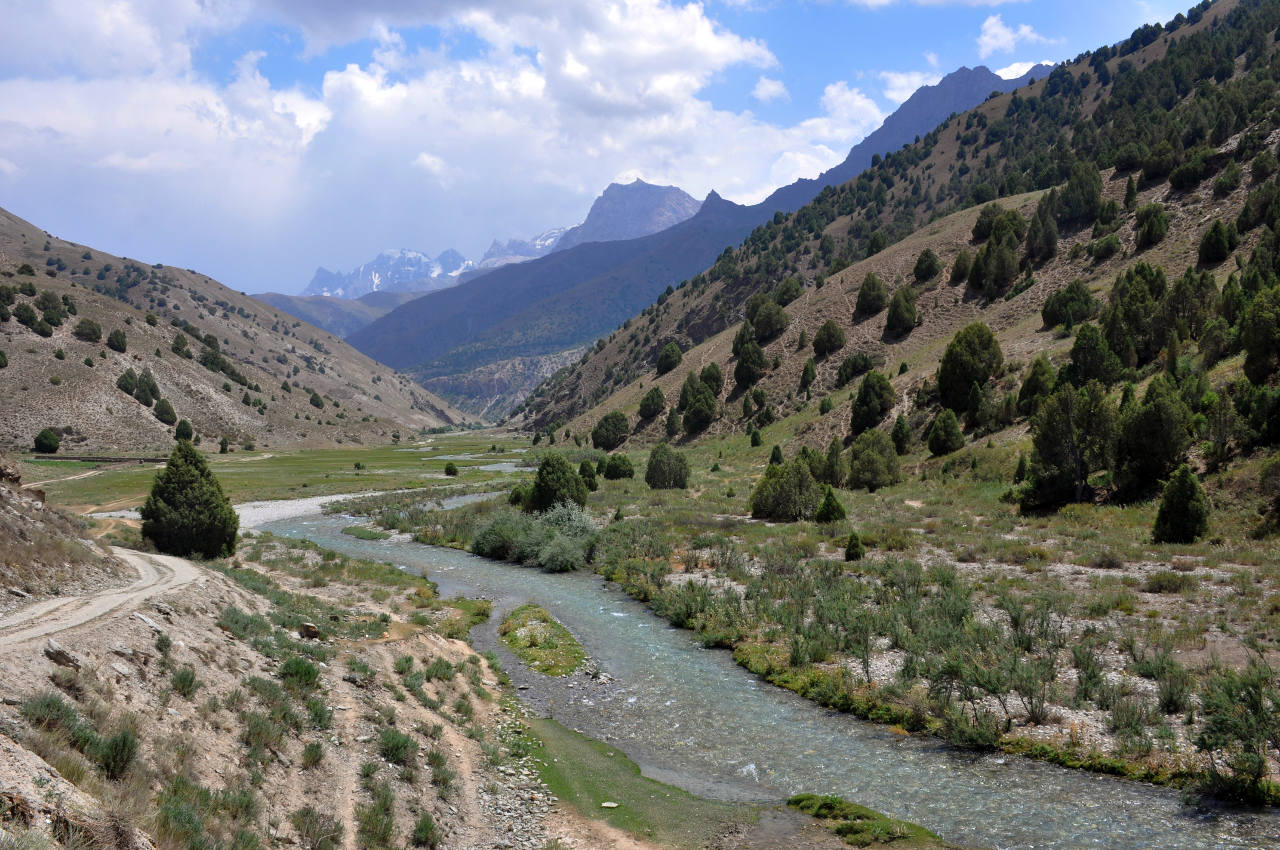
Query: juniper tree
x=186, y=512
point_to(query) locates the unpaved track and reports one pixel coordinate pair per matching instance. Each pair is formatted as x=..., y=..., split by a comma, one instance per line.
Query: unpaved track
x=157, y=575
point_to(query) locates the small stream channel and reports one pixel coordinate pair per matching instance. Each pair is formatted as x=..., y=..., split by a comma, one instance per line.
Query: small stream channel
x=693, y=718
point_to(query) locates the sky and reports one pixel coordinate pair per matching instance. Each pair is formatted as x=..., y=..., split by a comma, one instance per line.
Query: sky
x=255, y=141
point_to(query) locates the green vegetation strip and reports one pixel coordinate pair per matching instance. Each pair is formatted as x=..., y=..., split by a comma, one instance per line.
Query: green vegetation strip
x=863, y=827
x=541, y=642
x=586, y=773
x=361, y=532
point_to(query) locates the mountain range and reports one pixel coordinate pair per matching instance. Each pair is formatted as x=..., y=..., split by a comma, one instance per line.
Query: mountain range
x=571, y=297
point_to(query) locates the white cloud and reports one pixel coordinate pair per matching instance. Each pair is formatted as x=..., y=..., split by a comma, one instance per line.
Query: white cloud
x=407, y=147
x=768, y=89
x=8, y=167
x=900, y=85
x=1017, y=69
x=931, y=58
x=997, y=37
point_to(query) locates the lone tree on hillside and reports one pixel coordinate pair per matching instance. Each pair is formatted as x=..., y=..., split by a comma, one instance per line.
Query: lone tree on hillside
x=828, y=340
x=669, y=358
x=667, y=469
x=1184, y=513
x=973, y=356
x=47, y=441
x=902, y=312
x=610, y=431
x=187, y=512
x=872, y=296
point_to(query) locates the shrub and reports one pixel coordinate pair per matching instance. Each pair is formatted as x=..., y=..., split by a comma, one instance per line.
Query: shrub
x=562, y=554
x=712, y=378
x=1153, y=437
x=312, y=755
x=316, y=831
x=652, y=404
x=1151, y=225
x=114, y=755
x=1241, y=710
x=451, y=469
x=973, y=356
x=854, y=550
x=766, y=317
x=830, y=510
x=184, y=682
x=47, y=441
x=960, y=268
x=1260, y=336
x=852, y=366
x=299, y=675
x=186, y=511
x=1036, y=385
x=1215, y=245
x=1184, y=512
x=87, y=330
x=611, y=431
x=828, y=340
x=945, y=436
x=184, y=431
x=873, y=461
x=872, y=296
x=164, y=412
x=669, y=358
x=425, y=832
x=397, y=747
x=927, y=266
x=555, y=482
x=875, y=398
x=1068, y=306
x=116, y=341
x=667, y=469
x=902, y=312
x=750, y=366
x=618, y=466
x=4, y=360
x=316, y=401
x=786, y=493
x=901, y=435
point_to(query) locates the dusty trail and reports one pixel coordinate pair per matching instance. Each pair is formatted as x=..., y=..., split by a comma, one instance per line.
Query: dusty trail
x=157, y=575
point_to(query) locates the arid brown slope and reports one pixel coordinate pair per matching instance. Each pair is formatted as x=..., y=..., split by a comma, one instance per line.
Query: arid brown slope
x=363, y=400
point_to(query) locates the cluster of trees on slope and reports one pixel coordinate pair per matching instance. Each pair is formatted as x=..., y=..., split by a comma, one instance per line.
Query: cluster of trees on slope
x=1155, y=118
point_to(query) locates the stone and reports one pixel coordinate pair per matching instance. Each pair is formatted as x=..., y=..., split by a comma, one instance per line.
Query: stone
x=21, y=594
x=608, y=804
x=309, y=630
x=123, y=669
x=150, y=623
x=164, y=610
x=55, y=653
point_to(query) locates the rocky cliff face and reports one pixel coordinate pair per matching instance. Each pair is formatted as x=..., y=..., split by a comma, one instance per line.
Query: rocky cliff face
x=630, y=211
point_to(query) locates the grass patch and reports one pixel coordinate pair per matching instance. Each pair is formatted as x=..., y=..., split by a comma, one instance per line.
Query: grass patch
x=863, y=827
x=361, y=532
x=541, y=641
x=585, y=773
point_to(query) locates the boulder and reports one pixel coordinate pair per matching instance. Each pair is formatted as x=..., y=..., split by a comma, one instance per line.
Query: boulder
x=55, y=653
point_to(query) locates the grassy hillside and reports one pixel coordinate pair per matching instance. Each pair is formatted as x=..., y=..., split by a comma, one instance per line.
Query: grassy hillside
x=221, y=359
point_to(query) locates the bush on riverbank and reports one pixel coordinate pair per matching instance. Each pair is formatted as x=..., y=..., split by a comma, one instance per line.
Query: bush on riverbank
x=559, y=540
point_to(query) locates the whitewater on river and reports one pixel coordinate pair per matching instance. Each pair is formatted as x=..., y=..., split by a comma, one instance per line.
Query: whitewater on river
x=693, y=718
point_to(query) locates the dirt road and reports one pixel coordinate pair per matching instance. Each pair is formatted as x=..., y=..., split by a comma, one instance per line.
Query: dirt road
x=157, y=575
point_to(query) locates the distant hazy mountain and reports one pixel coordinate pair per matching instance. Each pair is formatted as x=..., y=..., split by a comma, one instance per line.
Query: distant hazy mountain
x=392, y=271
x=519, y=250
x=631, y=210
x=339, y=316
